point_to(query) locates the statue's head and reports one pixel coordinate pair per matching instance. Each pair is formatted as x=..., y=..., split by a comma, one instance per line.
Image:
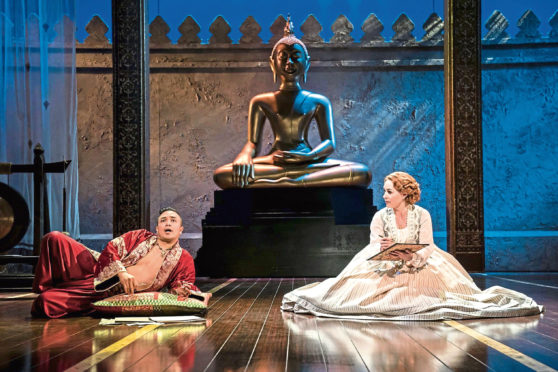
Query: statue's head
x=289, y=57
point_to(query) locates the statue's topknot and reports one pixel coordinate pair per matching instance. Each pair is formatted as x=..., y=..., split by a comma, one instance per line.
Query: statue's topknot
x=288, y=37
x=289, y=27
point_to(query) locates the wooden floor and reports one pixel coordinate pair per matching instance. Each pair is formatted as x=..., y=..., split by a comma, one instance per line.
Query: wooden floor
x=245, y=330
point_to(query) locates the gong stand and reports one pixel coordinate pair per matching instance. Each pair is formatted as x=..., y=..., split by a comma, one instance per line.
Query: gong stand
x=41, y=218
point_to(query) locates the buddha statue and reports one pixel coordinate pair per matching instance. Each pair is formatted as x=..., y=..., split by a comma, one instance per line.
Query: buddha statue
x=292, y=162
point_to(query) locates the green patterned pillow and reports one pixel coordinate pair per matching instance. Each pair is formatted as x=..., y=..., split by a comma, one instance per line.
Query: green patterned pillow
x=150, y=303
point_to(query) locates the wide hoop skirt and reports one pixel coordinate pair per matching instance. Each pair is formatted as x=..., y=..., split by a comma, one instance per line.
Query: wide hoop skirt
x=383, y=290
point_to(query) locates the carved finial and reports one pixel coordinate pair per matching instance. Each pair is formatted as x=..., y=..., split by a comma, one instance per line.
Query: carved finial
x=403, y=28
x=311, y=28
x=342, y=29
x=528, y=26
x=277, y=29
x=96, y=29
x=372, y=28
x=159, y=30
x=220, y=29
x=433, y=28
x=65, y=31
x=496, y=25
x=250, y=30
x=189, y=30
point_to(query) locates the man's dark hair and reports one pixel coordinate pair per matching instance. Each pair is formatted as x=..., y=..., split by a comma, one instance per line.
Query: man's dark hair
x=166, y=209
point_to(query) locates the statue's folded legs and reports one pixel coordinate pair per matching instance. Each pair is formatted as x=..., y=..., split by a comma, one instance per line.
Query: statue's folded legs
x=331, y=173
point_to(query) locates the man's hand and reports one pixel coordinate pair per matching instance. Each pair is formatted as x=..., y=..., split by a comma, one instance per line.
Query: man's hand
x=128, y=282
x=184, y=290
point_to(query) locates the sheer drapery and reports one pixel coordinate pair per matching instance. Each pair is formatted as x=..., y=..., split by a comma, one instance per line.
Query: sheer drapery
x=38, y=99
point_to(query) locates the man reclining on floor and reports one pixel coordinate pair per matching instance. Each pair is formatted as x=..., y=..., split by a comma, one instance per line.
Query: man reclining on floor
x=69, y=277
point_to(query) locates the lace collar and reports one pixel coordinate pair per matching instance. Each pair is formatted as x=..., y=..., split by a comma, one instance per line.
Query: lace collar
x=413, y=224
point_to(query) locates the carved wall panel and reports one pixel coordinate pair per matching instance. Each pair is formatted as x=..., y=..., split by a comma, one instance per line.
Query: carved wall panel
x=131, y=126
x=462, y=65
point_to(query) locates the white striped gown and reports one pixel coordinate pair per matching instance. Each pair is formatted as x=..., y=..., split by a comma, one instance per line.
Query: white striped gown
x=432, y=286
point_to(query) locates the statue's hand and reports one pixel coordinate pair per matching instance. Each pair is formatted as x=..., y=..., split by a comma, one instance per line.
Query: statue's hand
x=243, y=170
x=292, y=157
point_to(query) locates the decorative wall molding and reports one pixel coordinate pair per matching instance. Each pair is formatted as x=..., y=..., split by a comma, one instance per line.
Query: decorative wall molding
x=342, y=27
x=342, y=51
x=495, y=35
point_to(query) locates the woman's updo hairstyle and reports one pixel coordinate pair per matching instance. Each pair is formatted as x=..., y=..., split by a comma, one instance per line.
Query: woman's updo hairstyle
x=405, y=184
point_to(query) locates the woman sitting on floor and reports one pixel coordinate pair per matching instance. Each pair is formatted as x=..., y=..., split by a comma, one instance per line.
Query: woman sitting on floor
x=427, y=285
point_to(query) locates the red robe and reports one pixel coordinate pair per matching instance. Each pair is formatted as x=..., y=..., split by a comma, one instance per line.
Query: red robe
x=69, y=277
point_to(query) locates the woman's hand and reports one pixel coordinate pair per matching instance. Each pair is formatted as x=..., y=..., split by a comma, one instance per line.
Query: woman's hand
x=405, y=255
x=243, y=170
x=128, y=282
x=385, y=243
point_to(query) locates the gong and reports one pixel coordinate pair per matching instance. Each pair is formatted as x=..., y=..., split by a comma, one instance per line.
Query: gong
x=14, y=217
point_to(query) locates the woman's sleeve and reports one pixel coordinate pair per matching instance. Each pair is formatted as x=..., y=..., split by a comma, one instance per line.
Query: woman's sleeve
x=425, y=237
x=376, y=228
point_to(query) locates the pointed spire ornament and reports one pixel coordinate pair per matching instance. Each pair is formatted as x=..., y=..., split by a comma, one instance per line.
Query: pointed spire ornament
x=289, y=27
x=288, y=37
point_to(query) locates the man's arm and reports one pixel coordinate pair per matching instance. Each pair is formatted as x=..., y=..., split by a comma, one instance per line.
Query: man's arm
x=110, y=261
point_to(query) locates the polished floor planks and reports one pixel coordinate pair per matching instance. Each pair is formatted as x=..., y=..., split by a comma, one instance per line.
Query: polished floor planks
x=245, y=330
x=166, y=344
x=237, y=350
x=270, y=351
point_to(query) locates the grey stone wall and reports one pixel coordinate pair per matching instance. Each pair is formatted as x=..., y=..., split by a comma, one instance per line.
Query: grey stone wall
x=520, y=107
x=388, y=104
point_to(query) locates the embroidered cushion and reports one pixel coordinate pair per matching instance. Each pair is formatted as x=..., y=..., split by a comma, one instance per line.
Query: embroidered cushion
x=149, y=303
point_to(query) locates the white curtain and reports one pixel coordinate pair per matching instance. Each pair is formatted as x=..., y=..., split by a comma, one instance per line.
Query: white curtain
x=38, y=99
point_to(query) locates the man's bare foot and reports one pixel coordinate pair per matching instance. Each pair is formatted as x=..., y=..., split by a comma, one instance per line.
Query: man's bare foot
x=201, y=296
x=207, y=297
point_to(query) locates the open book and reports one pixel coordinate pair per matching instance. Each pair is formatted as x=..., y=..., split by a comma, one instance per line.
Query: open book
x=385, y=254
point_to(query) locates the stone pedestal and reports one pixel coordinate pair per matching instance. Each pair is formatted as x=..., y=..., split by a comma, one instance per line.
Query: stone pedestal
x=284, y=232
